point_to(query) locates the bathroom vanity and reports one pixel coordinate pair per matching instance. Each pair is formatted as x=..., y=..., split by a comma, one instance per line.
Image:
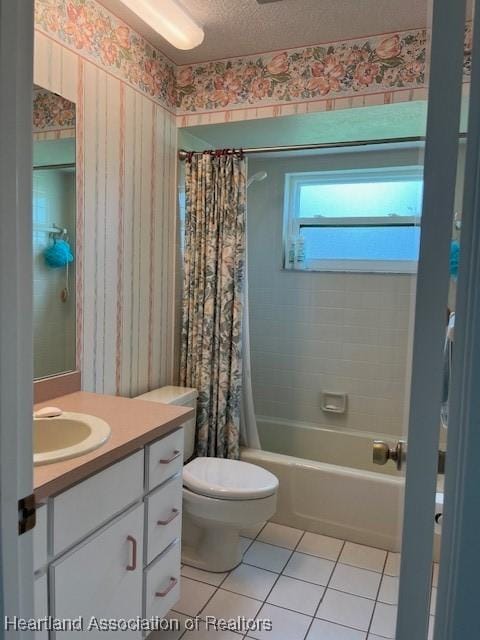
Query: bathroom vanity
x=107, y=539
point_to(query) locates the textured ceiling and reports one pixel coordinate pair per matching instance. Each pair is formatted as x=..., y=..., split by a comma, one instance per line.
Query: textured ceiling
x=243, y=27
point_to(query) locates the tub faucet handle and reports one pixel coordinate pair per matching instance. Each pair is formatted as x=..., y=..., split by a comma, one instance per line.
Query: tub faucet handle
x=382, y=453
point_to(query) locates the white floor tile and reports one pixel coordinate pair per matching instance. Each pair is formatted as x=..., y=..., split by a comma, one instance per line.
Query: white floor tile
x=173, y=633
x=267, y=556
x=202, y=576
x=280, y=535
x=296, y=595
x=363, y=557
x=373, y=637
x=250, y=581
x=322, y=546
x=226, y=604
x=252, y=532
x=193, y=596
x=309, y=568
x=389, y=590
x=244, y=543
x=323, y=630
x=286, y=625
x=392, y=566
x=359, y=582
x=345, y=609
x=384, y=620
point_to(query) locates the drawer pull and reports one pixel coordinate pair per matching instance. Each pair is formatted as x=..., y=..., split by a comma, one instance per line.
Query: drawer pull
x=172, y=584
x=175, y=513
x=133, y=566
x=176, y=454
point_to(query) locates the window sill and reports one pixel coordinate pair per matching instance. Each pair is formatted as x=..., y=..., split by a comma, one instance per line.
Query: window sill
x=400, y=267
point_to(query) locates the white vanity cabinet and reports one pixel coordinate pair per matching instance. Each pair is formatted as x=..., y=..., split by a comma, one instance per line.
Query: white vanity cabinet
x=113, y=548
x=102, y=578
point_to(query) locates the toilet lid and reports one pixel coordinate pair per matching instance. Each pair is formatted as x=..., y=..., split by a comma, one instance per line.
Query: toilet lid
x=228, y=479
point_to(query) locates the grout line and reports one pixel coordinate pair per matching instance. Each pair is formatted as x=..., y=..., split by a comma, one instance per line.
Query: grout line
x=378, y=593
x=326, y=587
x=278, y=578
x=281, y=573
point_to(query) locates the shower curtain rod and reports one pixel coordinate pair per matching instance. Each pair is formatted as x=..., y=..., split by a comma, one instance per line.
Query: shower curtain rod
x=183, y=154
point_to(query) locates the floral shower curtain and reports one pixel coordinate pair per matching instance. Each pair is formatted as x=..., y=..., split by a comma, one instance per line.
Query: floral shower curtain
x=214, y=264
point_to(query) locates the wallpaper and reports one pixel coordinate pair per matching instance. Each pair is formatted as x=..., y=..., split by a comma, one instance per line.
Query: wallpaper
x=370, y=70
x=89, y=29
x=384, y=68
x=125, y=226
x=52, y=112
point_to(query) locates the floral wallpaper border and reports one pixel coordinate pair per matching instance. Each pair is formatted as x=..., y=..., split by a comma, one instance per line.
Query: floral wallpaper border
x=52, y=112
x=378, y=64
x=94, y=33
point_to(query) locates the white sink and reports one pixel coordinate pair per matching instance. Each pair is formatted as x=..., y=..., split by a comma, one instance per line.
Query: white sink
x=67, y=436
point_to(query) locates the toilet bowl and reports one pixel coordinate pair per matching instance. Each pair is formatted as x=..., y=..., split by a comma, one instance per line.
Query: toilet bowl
x=221, y=497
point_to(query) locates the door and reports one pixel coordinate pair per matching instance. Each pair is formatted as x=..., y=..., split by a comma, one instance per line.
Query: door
x=432, y=297
x=102, y=579
x=16, y=370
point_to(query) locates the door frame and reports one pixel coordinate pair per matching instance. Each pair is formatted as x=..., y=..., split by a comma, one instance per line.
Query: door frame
x=440, y=177
x=16, y=281
x=457, y=600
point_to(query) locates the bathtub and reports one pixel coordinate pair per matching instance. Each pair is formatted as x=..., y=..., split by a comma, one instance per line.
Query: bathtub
x=329, y=485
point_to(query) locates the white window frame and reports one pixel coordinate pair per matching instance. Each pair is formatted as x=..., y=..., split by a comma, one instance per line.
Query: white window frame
x=293, y=224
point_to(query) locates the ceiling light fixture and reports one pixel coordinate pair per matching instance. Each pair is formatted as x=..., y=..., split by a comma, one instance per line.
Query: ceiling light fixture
x=169, y=20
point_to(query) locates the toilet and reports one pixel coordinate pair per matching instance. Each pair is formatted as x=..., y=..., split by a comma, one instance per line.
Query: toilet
x=221, y=497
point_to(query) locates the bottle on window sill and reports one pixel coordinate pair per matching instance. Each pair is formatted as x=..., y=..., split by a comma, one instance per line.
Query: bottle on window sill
x=300, y=253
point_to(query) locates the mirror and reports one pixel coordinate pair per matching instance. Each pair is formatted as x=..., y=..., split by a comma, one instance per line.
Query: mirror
x=54, y=222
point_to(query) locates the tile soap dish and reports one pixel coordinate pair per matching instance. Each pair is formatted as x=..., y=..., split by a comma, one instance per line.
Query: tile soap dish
x=332, y=402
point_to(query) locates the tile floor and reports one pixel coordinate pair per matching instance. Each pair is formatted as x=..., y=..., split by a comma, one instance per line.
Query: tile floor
x=310, y=586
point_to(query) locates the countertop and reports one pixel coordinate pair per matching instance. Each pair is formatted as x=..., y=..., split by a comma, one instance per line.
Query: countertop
x=134, y=424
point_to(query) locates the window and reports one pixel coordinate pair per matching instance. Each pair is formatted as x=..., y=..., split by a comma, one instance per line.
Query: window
x=355, y=220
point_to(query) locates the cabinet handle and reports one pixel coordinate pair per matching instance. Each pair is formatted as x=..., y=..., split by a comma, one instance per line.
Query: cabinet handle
x=172, y=584
x=133, y=566
x=176, y=454
x=175, y=513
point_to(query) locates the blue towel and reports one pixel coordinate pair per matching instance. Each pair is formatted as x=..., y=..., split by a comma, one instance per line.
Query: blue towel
x=59, y=254
x=454, y=258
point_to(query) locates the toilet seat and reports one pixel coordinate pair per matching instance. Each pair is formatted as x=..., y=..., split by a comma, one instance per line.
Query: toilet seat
x=228, y=479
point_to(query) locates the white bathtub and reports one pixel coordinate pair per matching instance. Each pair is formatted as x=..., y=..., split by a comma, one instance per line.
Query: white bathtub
x=329, y=485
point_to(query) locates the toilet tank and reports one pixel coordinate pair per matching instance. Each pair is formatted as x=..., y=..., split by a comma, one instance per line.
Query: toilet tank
x=184, y=397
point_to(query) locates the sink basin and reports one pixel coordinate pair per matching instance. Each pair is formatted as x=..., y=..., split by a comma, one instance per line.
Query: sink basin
x=67, y=436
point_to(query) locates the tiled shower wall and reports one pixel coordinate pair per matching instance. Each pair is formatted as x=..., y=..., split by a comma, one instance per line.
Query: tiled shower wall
x=53, y=318
x=313, y=332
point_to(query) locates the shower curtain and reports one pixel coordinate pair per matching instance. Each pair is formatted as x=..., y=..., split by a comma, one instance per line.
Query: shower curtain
x=214, y=270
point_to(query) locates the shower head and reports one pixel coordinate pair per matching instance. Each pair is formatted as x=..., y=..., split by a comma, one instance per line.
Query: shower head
x=257, y=177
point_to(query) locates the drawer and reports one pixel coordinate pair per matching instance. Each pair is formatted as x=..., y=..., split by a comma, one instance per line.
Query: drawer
x=40, y=594
x=164, y=517
x=40, y=538
x=165, y=458
x=89, y=504
x=162, y=583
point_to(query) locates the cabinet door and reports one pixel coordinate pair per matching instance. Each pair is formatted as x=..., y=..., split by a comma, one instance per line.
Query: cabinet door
x=102, y=579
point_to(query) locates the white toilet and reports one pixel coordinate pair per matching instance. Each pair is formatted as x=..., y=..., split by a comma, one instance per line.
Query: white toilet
x=220, y=497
